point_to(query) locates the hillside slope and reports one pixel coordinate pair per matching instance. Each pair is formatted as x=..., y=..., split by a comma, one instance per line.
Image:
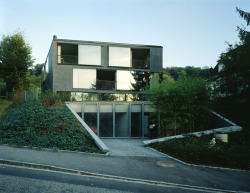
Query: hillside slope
x=36, y=125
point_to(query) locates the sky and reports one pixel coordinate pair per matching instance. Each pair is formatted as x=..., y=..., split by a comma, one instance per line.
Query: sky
x=191, y=32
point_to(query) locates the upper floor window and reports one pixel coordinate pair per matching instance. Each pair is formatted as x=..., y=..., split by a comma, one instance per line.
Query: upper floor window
x=140, y=58
x=119, y=57
x=67, y=54
x=84, y=78
x=89, y=55
x=79, y=54
x=137, y=58
x=125, y=80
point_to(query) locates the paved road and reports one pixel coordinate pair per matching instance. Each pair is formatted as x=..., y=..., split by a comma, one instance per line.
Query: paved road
x=139, y=167
x=129, y=147
x=15, y=179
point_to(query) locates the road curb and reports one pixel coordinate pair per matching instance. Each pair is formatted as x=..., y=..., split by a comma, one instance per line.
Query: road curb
x=54, y=150
x=111, y=177
x=204, y=166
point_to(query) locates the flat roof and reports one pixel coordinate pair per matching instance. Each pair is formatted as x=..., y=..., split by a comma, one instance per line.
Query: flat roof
x=107, y=43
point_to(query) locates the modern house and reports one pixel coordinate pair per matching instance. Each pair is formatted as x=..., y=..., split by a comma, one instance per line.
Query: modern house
x=100, y=71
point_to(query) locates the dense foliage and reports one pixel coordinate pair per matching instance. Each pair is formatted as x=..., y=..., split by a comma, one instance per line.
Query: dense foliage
x=183, y=105
x=15, y=59
x=3, y=105
x=234, y=78
x=36, y=125
x=197, y=150
x=189, y=71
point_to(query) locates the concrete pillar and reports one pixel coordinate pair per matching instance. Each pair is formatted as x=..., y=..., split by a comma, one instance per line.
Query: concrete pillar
x=105, y=56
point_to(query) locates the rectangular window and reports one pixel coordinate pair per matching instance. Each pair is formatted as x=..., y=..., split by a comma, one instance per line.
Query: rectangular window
x=106, y=121
x=67, y=53
x=89, y=55
x=106, y=79
x=140, y=58
x=150, y=118
x=121, y=120
x=84, y=78
x=125, y=80
x=119, y=57
x=136, y=121
x=90, y=116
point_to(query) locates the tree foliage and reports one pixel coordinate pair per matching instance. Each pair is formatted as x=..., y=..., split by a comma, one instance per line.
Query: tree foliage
x=142, y=83
x=36, y=70
x=189, y=71
x=234, y=78
x=15, y=59
x=182, y=105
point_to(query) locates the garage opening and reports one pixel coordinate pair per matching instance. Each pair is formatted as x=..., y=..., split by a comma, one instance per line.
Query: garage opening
x=117, y=119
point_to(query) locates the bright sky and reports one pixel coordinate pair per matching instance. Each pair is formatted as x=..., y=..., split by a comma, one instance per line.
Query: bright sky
x=192, y=32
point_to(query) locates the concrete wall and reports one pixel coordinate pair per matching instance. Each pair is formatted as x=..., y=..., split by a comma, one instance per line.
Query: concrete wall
x=156, y=59
x=48, y=84
x=228, y=126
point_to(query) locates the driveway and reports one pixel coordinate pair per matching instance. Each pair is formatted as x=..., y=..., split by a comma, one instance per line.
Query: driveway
x=129, y=147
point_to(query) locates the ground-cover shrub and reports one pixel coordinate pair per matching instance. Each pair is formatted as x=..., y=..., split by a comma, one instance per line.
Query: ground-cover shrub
x=183, y=105
x=50, y=98
x=4, y=104
x=197, y=150
x=37, y=125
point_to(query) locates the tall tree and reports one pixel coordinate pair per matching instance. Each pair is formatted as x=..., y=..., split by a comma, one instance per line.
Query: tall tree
x=36, y=70
x=234, y=78
x=15, y=59
x=142, y=83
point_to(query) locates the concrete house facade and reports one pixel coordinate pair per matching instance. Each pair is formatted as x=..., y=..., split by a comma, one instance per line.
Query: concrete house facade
x=94, y=72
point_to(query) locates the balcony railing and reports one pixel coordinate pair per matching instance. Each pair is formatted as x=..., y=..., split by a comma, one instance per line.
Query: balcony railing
x=105, y=85
x=67, y=59
x=140, y=64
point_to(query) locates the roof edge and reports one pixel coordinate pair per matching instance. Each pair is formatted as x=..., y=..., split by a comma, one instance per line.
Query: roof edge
x=108, y=43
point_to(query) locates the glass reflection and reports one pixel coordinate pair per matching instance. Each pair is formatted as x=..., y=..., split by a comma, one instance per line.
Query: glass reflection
x=90, y=116
x=124, y=80
x=106, y=121
x=119, y=57
x=84, y=78
x=121, y=120
x=89, y=55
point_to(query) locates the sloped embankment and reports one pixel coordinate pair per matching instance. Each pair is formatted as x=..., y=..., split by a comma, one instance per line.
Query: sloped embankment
x=36, y=125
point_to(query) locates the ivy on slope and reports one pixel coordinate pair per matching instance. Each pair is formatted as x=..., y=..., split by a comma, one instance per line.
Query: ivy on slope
x=35, y=125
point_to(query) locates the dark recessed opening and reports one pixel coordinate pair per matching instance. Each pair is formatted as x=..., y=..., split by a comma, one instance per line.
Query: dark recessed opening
x=140, y=58
x=106, y=79
x=69, y=54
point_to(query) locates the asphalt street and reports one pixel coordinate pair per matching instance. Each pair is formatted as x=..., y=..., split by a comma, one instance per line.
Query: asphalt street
x=16, y=179
x=160, y=169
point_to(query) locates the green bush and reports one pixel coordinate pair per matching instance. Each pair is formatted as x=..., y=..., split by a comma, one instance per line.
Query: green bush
x=50, y=98
x=197, y=150
x=2, y=88
x=36, y=125
x=183, y=105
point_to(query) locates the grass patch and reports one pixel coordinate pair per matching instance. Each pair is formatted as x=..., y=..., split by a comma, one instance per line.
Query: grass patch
x=196, y=150
x=3, y=105
x=36, y=125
